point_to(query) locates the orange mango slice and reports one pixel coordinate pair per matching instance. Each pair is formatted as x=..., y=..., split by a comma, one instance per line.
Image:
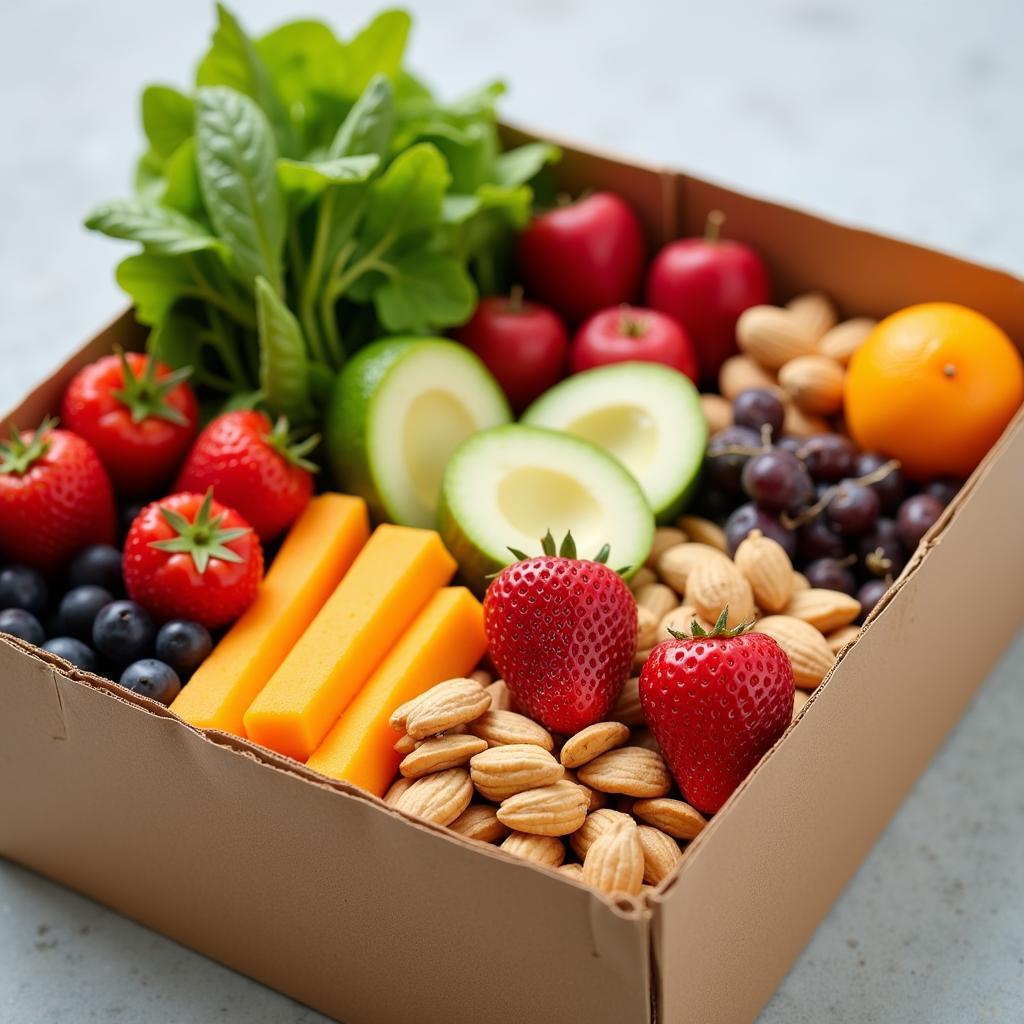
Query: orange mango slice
x=392, y=578
x=316, y=554
x=444, y=642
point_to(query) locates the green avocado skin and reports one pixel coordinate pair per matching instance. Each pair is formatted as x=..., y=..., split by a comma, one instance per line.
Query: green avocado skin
x=348, y=413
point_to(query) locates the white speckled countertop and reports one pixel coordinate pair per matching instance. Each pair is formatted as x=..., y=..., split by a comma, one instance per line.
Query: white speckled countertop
x=903, y=117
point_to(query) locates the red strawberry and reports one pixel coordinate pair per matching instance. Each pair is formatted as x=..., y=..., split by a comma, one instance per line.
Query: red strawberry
x=562, y=633
x=252, y=468
x=716, y=702
x=55, y=497
x=189, y=557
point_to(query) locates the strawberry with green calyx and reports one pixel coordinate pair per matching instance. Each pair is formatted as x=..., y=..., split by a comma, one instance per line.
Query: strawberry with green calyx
x=189, y=557
x=716, y=701
x=55, y=497
x=561, y=631
x=255, y=467
x=138, y=414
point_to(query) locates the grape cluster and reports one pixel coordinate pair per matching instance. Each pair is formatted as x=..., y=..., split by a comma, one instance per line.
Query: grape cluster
x=846, y=518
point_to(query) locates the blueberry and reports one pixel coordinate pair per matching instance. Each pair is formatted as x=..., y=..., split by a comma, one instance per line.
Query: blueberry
x=70, y=649
x=79, y=608
x=22, y=587
x=183, y=645
x=22, y=624
x=123, y=632
x=98, y=564
x=151, y=678
x=870, y=594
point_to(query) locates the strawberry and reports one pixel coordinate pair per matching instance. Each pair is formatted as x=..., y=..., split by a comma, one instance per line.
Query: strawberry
x=561, y=630
x=55, y=497
x=189, y=557
x=716, y=702
x=253, y=468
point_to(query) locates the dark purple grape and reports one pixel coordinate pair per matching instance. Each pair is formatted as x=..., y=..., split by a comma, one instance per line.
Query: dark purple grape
x=757, y=408
x=831, y=574
x=870, y=594
x=777, y=481
x=916, y=517
x=819, y=540
x=890, y=488
x=945, y=488
x=881, y=550
x=723, y=469
x=790, y=443
x=828, y=457
x=853, y=508
x=749, y=517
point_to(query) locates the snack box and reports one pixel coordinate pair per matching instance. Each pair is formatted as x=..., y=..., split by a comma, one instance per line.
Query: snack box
x=321, y=891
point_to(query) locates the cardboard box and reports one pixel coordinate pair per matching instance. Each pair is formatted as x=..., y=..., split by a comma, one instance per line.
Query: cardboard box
x=323, y=892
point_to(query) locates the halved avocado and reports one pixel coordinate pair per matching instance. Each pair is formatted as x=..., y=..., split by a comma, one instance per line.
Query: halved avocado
x=506, y=487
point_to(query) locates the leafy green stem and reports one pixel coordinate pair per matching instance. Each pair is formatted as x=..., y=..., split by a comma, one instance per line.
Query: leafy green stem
x=218, y=295
x=223, y=343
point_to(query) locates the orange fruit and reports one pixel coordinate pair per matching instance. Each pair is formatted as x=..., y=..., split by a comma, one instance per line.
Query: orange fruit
x=934, y=386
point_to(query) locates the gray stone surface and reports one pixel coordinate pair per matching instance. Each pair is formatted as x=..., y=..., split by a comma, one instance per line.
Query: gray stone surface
x=904, y=117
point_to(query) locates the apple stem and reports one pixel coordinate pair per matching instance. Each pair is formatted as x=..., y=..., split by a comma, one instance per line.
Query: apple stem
x=631, y=325
x=563, y=199
x=713, y=226
x=515, y=299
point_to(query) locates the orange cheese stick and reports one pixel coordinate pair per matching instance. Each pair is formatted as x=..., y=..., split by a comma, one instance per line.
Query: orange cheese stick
x=445, y=641
x=390, y=581
x=315, y=555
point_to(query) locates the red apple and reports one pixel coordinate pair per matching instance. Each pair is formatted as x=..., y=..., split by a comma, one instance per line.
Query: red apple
x=524, y=344
x=705, y=283
x=631, y=334
x=584, y=256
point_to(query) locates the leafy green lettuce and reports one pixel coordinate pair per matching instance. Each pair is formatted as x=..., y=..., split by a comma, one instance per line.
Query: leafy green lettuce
x=308, y=195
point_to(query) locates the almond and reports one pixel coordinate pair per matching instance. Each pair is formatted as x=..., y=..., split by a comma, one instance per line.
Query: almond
x=661, y=854
x=501, y=727
x=703, y=531
x=397, y=788
x=501, y=696
x=439, y=798
x=627, y=708
x=801, y=424
x=480, y=822
x=405, y=744
x=503, y=771
x=808, y=653
x=642, y=577
x=646, y=628
x=717, y=412
x=448, y=704
x=800, y=698
x=594, y=740
x=645, y=738
x=773, y=336
x=841, y=637
x=574, y=871
x=665, y=537
x=844, y=339
x=482, y=676
x=439, y=753
x=678, y=561
x=825, y=610
x=545, y=850
x=615, y=863
x=815, y=311
x=767, y=568
x=632, y=771
x=595, y=826
x=741, y=373
x=674, y=817
x=800, y=582
x=555, y=810
x=595, y=800
x=657, y=598
x=815, y=383
x=640, y=658
x=716, y=584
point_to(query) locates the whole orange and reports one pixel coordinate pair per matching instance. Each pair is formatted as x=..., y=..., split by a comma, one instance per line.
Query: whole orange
x=934, y=386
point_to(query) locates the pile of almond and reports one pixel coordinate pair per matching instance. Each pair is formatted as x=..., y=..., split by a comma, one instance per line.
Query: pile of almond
x=800, y=352
x=597, y=806
x=689, y=577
